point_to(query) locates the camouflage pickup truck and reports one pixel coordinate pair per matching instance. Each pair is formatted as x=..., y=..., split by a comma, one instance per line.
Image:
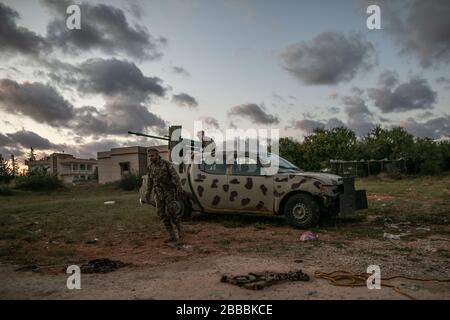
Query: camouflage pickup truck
x=244, y=186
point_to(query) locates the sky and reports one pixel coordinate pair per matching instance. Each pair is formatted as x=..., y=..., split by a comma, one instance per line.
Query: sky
x=287, y=65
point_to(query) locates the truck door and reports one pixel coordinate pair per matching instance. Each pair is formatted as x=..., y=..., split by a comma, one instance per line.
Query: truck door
x=209, y=184
x=250, y=190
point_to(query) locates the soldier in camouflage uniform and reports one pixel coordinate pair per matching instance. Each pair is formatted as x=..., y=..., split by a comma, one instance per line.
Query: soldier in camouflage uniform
x=164, y=181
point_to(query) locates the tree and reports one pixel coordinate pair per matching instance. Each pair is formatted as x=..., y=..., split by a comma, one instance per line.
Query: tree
x=31, y=155
x=14, y=167
x=291, y=150
x=5, y=172
x=323, y=145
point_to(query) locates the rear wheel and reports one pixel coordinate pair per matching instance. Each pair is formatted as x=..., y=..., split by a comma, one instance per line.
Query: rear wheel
x=302, y=211
x=184, y=209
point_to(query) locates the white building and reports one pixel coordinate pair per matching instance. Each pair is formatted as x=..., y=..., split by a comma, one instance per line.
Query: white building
x=68, y=168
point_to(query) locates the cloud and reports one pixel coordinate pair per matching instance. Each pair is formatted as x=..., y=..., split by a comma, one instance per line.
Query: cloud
x=333, y=96
x=6, y=152
x=359, y=117
x=330, y=58
x=426, y=115
x=104, y=28
x=433, y=128
x=334, y=110
x=19, y=143
x=181, y=71
x=5, y=140
x=90, y=149
x=415, y=94
x=307, y=125
x=210, y=122
x=44, y=104
x=135, y=9
x=388, y=79
x=185, y=100
x=35, y=100
x=15, y=39
x=113, y=77
x=117, y=117
x=278, y=97
x=334, y=123
x=420, y=28
x=28, y=139
x=254, y=113
x=443, y=80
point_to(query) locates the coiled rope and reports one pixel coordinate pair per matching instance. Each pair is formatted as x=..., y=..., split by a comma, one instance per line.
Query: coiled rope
x=352, y=279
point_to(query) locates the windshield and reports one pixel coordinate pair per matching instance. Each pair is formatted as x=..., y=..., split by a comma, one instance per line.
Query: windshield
x=283, y=164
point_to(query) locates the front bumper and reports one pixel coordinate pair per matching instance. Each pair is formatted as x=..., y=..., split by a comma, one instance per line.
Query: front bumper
x=350, y=199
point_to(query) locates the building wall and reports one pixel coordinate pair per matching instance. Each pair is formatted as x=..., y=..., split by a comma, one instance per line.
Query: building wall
x=109, y=169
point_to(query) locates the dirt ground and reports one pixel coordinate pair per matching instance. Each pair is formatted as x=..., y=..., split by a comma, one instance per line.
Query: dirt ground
x=193, y=271
x=229, y=244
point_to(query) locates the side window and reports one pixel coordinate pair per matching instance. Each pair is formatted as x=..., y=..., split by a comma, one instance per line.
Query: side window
x=246, y=167
x=218, y=167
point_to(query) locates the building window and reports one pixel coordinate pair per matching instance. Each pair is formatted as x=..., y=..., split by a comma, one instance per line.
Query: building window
x=82, y=167
x=124, y=168
x=74, y=167
x=89, y=167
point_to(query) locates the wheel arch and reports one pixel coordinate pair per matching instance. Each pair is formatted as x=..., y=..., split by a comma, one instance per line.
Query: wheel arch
x=284, y=200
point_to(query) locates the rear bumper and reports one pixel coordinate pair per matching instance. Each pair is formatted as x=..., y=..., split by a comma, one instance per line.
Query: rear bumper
x=350, y=199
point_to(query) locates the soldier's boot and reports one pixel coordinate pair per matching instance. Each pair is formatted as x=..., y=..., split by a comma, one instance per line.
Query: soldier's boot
x=179, y=230
x=172, y=235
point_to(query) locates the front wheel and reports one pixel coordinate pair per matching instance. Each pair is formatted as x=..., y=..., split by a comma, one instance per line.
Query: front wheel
x=302, y=211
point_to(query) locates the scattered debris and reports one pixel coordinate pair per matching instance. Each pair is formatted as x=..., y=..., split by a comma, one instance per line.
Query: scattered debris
x=423, y=229
x=102, y=266
x=430, y=249
x=32, y=268
x=389, y=224
x=93, y=241
x=391, y=236
x=260, y=280
x=308, y=236
x=186, y=247
x=109, y=202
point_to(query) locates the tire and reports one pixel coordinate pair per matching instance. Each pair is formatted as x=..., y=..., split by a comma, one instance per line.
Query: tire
x=302, y=211
x=184, y=209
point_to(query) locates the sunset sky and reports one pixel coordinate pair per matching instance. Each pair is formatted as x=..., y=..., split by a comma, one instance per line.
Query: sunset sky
x=290, y=65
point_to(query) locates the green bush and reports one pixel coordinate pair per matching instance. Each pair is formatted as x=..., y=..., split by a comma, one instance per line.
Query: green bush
x=430, y=166
x=5, y=191
x=130, y=181
x=38, y=182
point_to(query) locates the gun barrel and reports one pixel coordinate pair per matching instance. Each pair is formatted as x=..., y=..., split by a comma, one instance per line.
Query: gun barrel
x=148, y=135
